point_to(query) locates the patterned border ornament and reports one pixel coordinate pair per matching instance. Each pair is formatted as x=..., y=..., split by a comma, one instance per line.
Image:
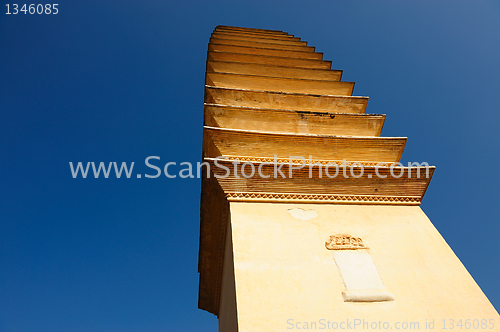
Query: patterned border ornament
x=307, y=161
x=249, y=196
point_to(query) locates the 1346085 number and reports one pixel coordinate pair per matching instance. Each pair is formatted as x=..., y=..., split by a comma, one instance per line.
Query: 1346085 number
x=32, y=8
x=468, y=324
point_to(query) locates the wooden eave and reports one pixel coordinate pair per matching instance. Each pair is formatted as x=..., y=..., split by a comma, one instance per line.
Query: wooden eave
x=277, y=84
x=293, y=121
x=246, y=143
x=265, y=51
x=285, y=100
x=260, y=44
x=259, y=35
x=269, y=31
x=269, y=60
x=253, y=32
x=273, y=70
x=369, y=188
x=257, y=39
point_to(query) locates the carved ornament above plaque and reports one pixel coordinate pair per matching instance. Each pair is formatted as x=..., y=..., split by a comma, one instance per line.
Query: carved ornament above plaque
x=345, y=242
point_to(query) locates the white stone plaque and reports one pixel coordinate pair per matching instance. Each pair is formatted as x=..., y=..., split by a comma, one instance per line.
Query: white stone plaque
x=360, y=277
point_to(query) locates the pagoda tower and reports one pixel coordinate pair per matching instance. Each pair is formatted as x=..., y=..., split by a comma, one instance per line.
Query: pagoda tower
x=308, y=221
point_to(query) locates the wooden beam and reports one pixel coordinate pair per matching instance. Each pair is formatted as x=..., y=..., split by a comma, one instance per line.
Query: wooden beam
x=292, y=41
x=246, y=143
x=273, y=70
x=291, y=121
x=290, y=101
x=224, y=35
x=269, y=60
x=230, y=28
x=249, y=33
x=247, y=43
x=265, y=51
x=368, y=188
x=277, y=84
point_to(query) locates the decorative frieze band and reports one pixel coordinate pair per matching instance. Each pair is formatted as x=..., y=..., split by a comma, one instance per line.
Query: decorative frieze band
x=358, y=199
x=301, y=161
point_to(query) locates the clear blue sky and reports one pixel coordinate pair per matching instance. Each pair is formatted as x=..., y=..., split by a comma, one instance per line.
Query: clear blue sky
x=123, y=80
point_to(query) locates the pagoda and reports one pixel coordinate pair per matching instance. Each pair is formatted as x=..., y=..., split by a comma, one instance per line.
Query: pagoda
x=308, y=220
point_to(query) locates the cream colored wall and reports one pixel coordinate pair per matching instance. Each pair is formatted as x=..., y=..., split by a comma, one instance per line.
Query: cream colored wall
x=284, y=272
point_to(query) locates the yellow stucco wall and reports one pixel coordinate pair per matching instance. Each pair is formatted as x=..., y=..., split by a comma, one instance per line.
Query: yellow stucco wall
x=285, y=278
